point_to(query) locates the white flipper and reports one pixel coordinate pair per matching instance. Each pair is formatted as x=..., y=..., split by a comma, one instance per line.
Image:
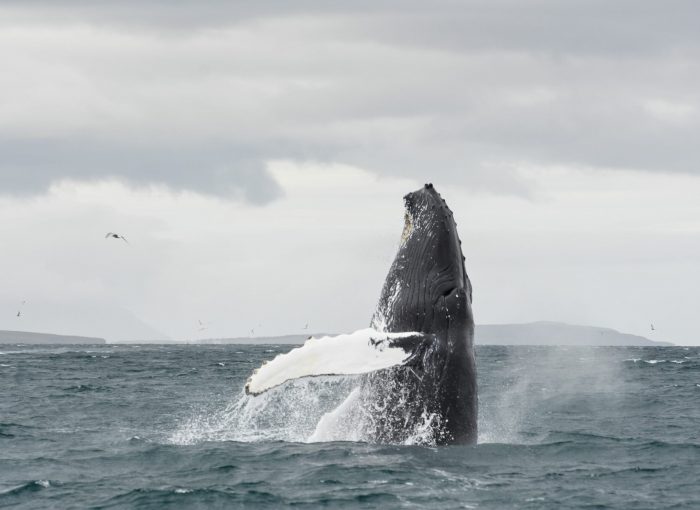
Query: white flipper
x=360, y=352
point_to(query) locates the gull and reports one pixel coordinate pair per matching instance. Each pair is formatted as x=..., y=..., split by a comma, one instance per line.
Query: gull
x=653, y=328
x=116, y=236
x=19, y=311
x=306, y=326
x=202, y=326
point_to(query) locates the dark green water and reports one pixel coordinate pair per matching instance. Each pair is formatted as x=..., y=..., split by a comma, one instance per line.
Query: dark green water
x=167, y=426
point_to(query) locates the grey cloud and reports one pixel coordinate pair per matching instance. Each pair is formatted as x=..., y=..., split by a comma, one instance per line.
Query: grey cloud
x=595, y=27
x=551, y=26
x=31, y=166
x=459, y=92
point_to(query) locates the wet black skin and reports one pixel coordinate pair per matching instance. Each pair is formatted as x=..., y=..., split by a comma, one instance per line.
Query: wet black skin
x=427, y=290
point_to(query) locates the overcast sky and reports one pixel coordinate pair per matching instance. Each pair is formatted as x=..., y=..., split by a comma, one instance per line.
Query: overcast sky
x=255, y=155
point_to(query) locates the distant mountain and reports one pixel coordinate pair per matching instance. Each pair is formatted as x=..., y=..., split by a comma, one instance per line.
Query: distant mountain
x=284, y=339
x=92, y=319
x=555, y=333
x=534, y=333
x=26, y=337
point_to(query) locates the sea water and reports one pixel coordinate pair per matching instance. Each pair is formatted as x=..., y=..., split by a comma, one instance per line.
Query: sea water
x=127, y=426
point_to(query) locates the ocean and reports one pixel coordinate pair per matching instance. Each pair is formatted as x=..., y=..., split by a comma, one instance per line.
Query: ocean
x=166, y=426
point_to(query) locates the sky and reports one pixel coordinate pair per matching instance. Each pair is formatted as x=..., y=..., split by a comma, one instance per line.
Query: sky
x=255, y=156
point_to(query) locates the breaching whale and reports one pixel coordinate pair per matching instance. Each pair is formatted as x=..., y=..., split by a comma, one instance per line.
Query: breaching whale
x=418, y=356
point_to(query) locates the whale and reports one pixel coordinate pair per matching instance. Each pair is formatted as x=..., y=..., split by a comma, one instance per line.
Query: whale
x=416, y=362
x=428, y=291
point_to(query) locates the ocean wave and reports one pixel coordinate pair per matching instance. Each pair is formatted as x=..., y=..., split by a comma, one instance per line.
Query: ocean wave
x=32, y=486
x=551, y=426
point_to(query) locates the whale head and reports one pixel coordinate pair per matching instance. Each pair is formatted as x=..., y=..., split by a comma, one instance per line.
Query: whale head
x=428, y=269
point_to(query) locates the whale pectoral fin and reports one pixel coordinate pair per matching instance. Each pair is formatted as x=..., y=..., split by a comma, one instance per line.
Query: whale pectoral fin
x=358, y=353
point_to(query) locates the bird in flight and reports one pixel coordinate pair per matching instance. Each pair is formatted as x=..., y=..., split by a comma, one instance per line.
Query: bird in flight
x=19, y=311
x=116, y=236
x=202, y=326
x=306, y=326
x=653, y=328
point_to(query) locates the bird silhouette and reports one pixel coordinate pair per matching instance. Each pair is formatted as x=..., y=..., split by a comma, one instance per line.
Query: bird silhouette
x=116, y=236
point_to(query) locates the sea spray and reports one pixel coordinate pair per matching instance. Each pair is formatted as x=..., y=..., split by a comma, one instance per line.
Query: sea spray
x=354, y=408
x=286, y=413
x=319, y=409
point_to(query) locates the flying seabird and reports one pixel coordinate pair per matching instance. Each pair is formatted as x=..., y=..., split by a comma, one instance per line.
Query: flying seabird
x=116, y=236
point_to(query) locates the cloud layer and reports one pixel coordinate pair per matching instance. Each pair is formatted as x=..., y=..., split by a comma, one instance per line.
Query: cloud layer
x=201, y=97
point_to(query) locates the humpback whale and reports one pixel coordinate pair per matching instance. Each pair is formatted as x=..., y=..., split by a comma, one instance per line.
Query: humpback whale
x=417, y=358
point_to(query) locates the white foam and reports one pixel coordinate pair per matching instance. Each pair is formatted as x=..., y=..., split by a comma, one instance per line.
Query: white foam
x=360, y=352
x=311, y=409
x=339, y=424
x=287, y=413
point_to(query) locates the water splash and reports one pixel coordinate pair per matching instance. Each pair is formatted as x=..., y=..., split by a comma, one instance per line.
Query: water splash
x=287, y=413
x=318, y=409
